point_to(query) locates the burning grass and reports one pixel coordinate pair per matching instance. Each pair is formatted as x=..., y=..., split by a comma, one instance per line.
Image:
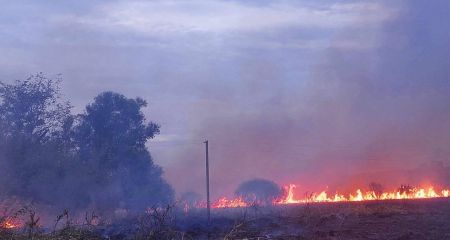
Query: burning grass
x=403, y=192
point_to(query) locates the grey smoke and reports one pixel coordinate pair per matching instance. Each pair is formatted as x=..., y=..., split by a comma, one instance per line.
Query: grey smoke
x=382, y=107
x=308, y=100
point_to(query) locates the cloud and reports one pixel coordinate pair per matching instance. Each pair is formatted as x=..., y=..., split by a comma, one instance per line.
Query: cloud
x=216, y=17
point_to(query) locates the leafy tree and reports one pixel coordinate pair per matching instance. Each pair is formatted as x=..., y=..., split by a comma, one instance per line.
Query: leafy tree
x=33, y=108
x=34, y=149
x=99, y=157
x=111, y=136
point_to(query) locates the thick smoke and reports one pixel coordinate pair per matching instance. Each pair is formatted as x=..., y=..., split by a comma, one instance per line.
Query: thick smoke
x=376, y=107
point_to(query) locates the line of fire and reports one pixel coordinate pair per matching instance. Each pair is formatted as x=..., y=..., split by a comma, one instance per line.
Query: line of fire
x=287, y=195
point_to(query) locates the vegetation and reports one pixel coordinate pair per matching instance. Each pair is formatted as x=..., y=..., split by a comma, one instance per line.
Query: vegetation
x=96, y=159
x=259, y=191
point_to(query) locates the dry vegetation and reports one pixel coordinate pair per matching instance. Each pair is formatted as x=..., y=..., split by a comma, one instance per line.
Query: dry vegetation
x=399, y=220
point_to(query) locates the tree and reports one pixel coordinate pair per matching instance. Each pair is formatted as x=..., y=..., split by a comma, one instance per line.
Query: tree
x=259, y=190
x=33, y=108
x=111, y=137
x=34, y=144
x=49, y=156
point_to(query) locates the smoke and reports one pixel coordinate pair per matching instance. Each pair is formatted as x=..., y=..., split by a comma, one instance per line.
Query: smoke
x=380, y=102
x=312, y=96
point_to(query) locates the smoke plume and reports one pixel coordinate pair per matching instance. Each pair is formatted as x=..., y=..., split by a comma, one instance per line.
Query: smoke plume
x=371, y=104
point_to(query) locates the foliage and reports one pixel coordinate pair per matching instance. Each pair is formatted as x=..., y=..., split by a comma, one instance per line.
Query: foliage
x=111, y=137
x=33, y=147
x=50, y=156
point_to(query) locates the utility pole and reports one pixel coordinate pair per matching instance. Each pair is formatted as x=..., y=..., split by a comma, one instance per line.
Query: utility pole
x=208, y=203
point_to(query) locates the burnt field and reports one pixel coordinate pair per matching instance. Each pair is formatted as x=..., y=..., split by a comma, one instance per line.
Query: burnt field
x=396, y=219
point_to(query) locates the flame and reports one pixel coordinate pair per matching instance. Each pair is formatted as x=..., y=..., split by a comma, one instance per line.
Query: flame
x=289, y=198
x=229, y=203
x=445, y=193
x=10, y=224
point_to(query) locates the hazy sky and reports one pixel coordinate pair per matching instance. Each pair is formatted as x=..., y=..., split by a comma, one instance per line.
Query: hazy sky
x=286, y=90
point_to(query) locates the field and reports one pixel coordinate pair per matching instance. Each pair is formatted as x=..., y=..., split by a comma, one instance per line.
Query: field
x=400, y=220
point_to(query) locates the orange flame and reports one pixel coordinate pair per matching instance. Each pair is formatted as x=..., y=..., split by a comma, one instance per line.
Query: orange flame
x=229, y=203
x=289, y=198
x=10, y=224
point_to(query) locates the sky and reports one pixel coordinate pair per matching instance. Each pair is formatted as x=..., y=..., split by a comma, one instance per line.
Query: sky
x=292, y=91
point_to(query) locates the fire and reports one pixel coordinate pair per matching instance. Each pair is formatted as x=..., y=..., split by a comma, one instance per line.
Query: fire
x=10, y=224
x=289, y=199
x=229, y=203
x=404, y=192
x=445, y=193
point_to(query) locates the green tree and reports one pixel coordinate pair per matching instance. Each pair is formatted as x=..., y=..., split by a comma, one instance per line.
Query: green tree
x=34, y=144
x=111, y=136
